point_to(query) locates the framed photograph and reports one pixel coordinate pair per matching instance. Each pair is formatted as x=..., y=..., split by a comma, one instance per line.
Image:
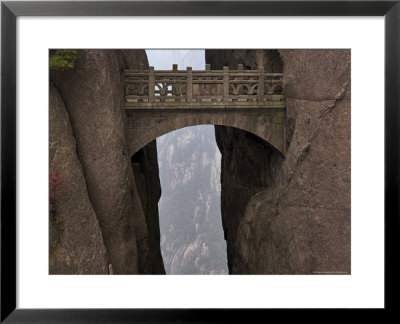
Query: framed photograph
x=247, y=149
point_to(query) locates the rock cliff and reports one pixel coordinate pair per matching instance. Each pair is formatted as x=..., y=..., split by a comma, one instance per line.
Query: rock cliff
x=248, y=166
x=145, y=170
x=299, y=220
x=72, y=250
x=93, y=94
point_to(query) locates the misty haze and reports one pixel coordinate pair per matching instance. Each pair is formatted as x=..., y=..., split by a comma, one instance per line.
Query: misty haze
x=192, y=238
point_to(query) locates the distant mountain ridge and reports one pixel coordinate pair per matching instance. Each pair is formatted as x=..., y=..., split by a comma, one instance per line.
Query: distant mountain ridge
x=190, y=215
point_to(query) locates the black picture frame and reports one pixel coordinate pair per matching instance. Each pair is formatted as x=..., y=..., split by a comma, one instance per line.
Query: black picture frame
x=10, y=10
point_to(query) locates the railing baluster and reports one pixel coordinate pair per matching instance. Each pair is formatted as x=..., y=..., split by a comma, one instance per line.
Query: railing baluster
x=151, y=84
x=204, y=87
x=189, y=84
x=260, y=90
x=225, y=93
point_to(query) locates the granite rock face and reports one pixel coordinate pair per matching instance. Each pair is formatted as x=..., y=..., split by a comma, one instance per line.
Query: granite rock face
x=251, y=59
x=248, y=166
x=72, y=251
x=93, y=94
x=145, y=170
x=300, y=222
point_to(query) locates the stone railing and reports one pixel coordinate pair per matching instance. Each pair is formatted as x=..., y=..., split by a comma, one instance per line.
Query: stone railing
x=203, y=88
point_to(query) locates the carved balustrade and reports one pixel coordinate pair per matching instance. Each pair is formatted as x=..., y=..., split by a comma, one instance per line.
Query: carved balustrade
x=203, y=88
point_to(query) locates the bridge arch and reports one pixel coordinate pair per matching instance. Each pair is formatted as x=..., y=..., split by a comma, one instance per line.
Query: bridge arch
x=265, y=127
x=158, y=102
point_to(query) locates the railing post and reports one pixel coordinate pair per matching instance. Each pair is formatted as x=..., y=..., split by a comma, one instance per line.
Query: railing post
x=208, y=67
x=174, y=67
x=151, y=84
x=225, y=93
x=260, y=90
x=189, y=84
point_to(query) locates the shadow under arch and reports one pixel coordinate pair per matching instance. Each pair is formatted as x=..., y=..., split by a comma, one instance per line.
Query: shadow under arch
x=265, y=127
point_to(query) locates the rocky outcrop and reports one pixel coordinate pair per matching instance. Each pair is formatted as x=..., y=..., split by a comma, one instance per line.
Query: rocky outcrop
x=251, y=59
x=300, y=223
x=248, y=166
x=72, y=251
x=313, y=190
x=145, y=170
x=93, y=93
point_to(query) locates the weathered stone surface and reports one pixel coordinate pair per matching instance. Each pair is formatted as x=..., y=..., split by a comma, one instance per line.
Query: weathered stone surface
x=305, y=79
x=248, y=166
x=145, y=169
x=314, y=186
x=251, y=59
x=132, y=58
x=146, y=125
x=148, y=189
x=94, y=96
x=76, y=242
x=300, y=224
x=236, y=88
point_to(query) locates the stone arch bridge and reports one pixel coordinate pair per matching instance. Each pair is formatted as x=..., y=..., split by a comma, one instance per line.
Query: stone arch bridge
x=158, y=102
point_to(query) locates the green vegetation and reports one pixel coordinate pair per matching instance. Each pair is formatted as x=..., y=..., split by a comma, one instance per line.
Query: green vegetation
x=63, y=59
